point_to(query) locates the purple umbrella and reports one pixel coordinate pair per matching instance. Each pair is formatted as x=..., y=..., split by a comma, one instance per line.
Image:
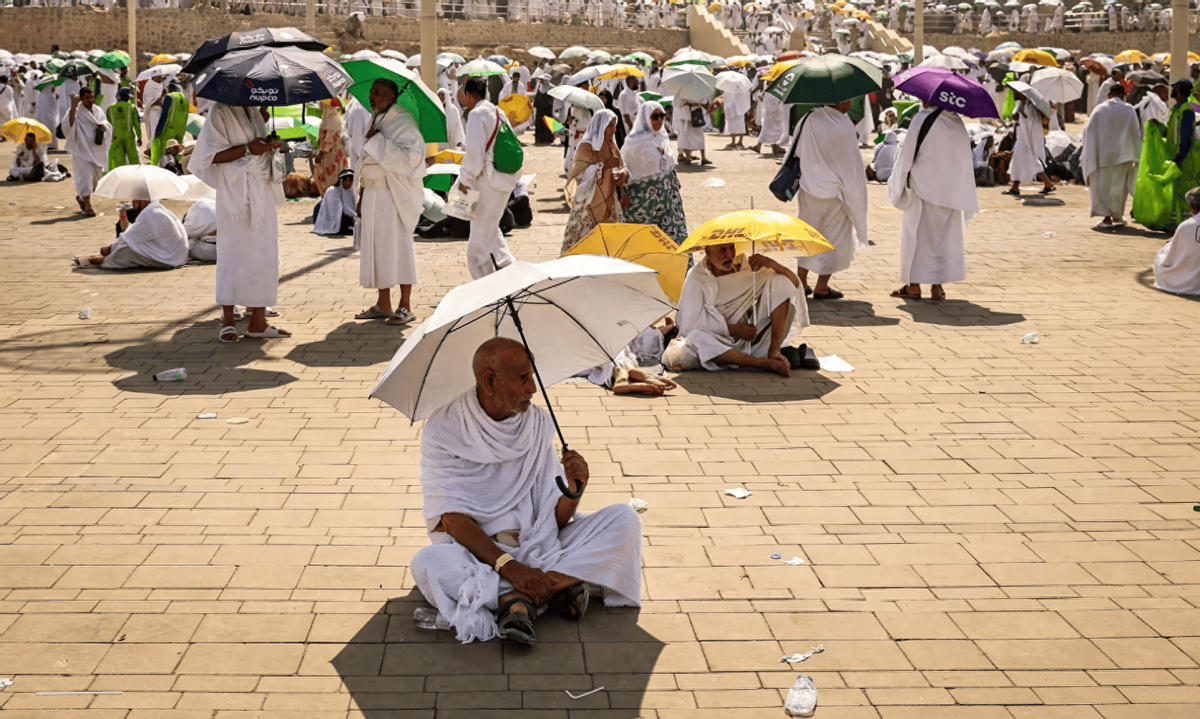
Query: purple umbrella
x=945, y=89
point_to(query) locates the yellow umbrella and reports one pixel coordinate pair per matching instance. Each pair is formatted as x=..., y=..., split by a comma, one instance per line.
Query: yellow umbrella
x=518, y=108
x=740, y=61
x=716, y=7
x=1192, y=57
x=163, y=59
x=777, y=70
x=1036, y=57
x=1130, y=56
x=760, y=229
x=621, y=72
x=17, y=129
x=446, y=156
x=645, y=245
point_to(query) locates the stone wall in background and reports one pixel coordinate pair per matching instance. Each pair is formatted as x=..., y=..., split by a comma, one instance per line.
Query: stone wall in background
x=83, y=28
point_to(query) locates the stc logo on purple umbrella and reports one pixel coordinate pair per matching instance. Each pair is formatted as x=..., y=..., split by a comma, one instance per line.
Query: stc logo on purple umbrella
x=951, y=99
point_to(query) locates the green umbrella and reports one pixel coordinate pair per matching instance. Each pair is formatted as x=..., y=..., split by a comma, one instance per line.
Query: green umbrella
x=195, y=124
x=75, y=69
x=963, y=6
x=441, y=177
x=481, y=68
x=113, y=60
x=49, y=81
x=642, y=58
x=452, y=57
x=297, y=111
x=423, y=104
x=651, y=96
x=826, y=80
x=301, y=132
x=53, y=66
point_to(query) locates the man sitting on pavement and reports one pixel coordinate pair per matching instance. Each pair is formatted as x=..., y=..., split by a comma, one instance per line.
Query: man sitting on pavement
x=30, y=163
x=335, y=214
x=1177, y=265
x=156, y=240
x=737, y=314
x=505, y=539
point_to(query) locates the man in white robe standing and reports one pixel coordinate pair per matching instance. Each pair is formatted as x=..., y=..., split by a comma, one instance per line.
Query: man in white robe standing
x=1112, y=146
x=737, y=104
x=8, y=99
x=832, y=195
x=1154, y=105
x=390, y=199
x=88, y=137
x=234, y=156
x=1177, y=264
x=356, y=122
x=737, y=314
x=486, y=243
x=629, y=102
x=505, y=540
x=935, y=187
x=1029, y=153
x=47, y=113
x=773, y=125
x=155, y=239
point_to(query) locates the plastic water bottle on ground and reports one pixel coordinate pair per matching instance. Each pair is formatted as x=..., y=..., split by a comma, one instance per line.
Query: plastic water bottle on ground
x=430, y=619
x=85, y=313
x=171, y=375
x=801, y=698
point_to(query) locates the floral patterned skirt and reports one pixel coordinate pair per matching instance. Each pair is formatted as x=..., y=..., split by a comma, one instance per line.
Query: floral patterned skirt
x=657, y=201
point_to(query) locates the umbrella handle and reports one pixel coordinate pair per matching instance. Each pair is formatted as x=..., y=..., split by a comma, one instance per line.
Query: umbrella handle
x=562, y=487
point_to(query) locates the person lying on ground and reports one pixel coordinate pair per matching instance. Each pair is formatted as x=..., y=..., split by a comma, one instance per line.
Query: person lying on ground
x=156, y=240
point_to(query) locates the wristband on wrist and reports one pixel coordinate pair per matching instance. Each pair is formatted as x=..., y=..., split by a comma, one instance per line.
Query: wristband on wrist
x=502, y=560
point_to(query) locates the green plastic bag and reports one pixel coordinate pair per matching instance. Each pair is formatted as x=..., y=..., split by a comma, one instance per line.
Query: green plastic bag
x=1154, y=193
x=509, y=158
x=1010, y=99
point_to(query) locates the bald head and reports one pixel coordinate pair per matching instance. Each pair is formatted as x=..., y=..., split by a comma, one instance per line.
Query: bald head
x=504, y=380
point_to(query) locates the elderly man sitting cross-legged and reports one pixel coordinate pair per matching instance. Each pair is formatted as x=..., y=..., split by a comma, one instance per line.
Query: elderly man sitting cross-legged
x=506, y=541
x=739, y=314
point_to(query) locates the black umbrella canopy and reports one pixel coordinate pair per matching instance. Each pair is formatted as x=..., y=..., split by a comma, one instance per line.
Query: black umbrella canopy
x=1145, y=77
x=264, y=36
x=271, y=77
x=77, y=68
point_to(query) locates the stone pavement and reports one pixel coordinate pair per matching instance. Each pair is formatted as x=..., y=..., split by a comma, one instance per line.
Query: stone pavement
x=992, y=530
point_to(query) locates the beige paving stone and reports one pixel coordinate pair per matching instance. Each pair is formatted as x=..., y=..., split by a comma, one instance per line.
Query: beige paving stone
x=142, y=658
x=259, y=659
x=1044, y=654
x=1013, y=625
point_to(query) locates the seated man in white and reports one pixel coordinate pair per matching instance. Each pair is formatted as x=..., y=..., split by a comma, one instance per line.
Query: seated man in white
x=335, y=214
x=1177, y=265
x=738, y=314
x=200, y=222
x=156, y=239
x=506, y=541
x=30, y=163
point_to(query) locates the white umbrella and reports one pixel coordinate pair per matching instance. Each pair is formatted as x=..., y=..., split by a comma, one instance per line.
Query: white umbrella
x=141, y=182
x=575, y=313
x=946, y=61
x=95, y=53
x=5, y=54
x=955, y=50
x=544, y=53
x=576, y=96
x=197, y=190
x=587, y=74
x=732, y=81
x=365, y=55
x=598, y=57
x=574, y=51
x=689, y=83
x=1033, y=96
x=481, y=68
x=160, y=71
x=395, y=55
x=1056, y=84
x=694, y=57
x=40, y=58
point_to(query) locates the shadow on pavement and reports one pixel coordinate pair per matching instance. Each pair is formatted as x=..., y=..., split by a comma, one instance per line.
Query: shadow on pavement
x=747, y=385
x=354, y=344
x=1145, y=278
x=213, y=367
x=390, y=666
x=957, y=313
x=847, y=313
x=55, y=220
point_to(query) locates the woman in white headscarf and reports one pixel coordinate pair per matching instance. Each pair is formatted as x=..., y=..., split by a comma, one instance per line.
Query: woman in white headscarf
x=653, y=189
x=594, y=183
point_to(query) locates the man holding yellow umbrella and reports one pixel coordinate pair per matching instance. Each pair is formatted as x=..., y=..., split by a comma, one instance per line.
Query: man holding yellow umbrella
x=738, y=311
x=29, y=159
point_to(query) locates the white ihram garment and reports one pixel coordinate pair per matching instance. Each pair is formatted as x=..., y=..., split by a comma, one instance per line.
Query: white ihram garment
x=338, y=201
x=833, y=188
x=47, y=113
x=774, y=121
x=391, y=167
x=248, y=198
x=8, y=103
x=200, y=222
x=356, y=124
x=737, y=104
x=89, y=161
x=709, y=304
x=1029, y=152
x=156, y=238
x=936, y=190
x=1177, y=264
x=1112, y=146
x=494, y=187
x=501, y=474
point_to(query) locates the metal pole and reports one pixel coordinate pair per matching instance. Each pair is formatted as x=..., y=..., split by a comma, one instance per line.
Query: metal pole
x=919, y=34
x=310, y=16
x=429, y=52
x=131, y=8
x=1179, y=40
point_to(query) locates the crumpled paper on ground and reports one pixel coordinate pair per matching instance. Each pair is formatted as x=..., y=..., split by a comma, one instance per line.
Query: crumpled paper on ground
x=797, y=658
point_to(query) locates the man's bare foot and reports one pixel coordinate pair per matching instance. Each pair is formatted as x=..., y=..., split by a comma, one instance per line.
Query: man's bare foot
x=638, y=388
x=778, y=365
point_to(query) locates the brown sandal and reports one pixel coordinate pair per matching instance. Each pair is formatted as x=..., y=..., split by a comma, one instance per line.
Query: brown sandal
x=903, y=294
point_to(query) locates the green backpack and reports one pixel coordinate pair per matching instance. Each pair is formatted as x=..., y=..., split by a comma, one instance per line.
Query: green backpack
x=509, y=158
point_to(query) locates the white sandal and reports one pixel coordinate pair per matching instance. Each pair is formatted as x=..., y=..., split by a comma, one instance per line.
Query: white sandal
x=226, y=331
x=270, y=333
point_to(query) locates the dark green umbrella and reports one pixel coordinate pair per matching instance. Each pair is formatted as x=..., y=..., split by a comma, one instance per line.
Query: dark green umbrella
x=826, y=80
x=75, y=69
x=426, y=108
x=113, y=60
